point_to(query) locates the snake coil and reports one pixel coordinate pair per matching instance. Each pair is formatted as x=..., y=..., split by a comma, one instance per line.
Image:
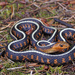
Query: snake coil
x=22, y=40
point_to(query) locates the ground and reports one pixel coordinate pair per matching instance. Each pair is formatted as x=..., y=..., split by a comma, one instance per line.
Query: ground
x=13, y=10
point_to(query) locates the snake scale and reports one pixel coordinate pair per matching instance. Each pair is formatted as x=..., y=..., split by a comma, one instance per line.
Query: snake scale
x=22, y=40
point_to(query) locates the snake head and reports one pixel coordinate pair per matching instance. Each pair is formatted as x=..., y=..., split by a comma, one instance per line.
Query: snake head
x=57, y=47
x=60, y=46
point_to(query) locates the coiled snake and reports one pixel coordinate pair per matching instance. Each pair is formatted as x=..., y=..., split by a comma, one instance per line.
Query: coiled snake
x=18, y=32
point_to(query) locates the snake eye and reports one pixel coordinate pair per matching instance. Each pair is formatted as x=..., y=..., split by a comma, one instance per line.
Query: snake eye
x=61, y=45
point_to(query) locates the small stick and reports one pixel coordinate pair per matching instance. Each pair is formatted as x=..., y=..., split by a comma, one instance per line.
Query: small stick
x=51, y=1
x=6, y=26
x=36, y=5
x=15, y=68
x=64, y=23
x=52, y=17
x=5, y=41
x=73, y=16
x=62, y=6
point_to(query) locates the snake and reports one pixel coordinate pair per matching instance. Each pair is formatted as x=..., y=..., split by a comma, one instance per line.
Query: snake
x=40, y=53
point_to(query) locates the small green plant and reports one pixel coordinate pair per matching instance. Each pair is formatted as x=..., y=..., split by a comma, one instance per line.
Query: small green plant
x=54, y=70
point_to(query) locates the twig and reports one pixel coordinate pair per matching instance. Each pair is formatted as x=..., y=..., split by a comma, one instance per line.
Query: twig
x=53, y=17
x=73, y=16
x=10, y=61
x=12, y=10
x=62, y=22
x=73, y=62
x=1, y=31
x=2, y=73
x=39, y=71
x=36, y=5
x=15, y=68
x=2, y=9
x=5, y=41
x=31, y=72
x=62, y=6
x=6, y=26
x=51, y=1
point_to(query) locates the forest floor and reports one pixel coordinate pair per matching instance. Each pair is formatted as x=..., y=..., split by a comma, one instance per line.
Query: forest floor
x=13, y=10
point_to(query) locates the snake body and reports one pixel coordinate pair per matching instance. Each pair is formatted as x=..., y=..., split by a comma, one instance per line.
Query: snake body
x=22, y=40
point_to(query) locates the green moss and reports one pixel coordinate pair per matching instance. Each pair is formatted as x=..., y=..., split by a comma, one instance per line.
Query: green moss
x=8, y=37
x=22, y=13
x=0, y=7
x=1, y=22
x=20, y=5
x=54, y=12
x=5, y=13
x=70, y=5
x=8, y=6
x=18, y=15
x=3, y=33
x=44, y=14
x=10, y=1
x=56, y=69
x=48, y=73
